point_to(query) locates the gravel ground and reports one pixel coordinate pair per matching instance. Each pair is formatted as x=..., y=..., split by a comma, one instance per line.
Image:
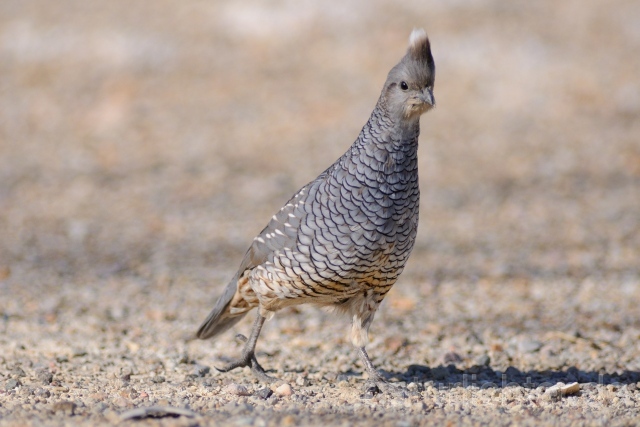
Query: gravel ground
x=142, y=148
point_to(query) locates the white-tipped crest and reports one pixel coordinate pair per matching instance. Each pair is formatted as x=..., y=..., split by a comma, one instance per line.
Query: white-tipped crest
x=417, y=37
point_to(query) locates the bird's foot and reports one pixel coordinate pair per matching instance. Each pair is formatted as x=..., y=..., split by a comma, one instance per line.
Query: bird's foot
x=248, y=358
x=376, y=384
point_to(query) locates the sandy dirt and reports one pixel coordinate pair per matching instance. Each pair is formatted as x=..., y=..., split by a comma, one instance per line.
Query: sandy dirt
x=144, y=144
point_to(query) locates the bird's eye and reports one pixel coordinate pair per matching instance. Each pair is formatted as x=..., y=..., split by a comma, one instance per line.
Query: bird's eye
x=404, y=86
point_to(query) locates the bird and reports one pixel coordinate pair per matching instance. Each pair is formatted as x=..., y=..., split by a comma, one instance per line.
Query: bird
x=344, y=238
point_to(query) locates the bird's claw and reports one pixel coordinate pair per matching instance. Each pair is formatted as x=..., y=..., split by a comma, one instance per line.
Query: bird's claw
x=250, y=361
x=374, y=385
x=372, y=388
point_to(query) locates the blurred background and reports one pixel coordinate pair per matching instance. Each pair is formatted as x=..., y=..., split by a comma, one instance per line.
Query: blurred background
x=144, y=144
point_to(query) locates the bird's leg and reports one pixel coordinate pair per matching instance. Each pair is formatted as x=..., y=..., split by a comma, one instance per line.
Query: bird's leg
x=374, y=375
x=248, y=357
x=364, y=308
x=376, y=382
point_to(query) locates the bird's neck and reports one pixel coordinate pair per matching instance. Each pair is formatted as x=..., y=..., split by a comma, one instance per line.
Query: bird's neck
x=390, y=132
x=406, y=127
x=385, y=147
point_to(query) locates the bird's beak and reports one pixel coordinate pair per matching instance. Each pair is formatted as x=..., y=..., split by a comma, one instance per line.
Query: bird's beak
x=426, y=96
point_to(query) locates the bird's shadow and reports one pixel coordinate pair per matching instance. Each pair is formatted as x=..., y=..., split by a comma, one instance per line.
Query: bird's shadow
x=450, y=376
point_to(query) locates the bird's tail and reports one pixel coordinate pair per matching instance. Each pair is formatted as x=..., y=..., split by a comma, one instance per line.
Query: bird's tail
x=221, y=317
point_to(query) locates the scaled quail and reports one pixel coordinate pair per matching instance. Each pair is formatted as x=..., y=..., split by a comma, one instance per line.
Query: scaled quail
x=344, y=238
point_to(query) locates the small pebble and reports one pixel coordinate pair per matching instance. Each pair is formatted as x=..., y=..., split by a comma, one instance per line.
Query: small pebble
x=11, y=384
x=529, y=346
x=244, y=421
x=287, y=421
x=330, y=376
x=99, y=407
x=201, y=370
x=78, y=353
x=452, y=357
x=41, y=392
x=264, y=393
x=237, y=409
x=122, y=402
x=99, y=396
x=237, y=389
x=483, y=360
x=45, y=376
x=65, y=407
x=230, y=407
x=561, y=389
x=18, y=372
x=284, y=390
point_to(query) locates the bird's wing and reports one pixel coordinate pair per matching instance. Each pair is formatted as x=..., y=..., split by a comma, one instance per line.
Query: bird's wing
x=282, y=230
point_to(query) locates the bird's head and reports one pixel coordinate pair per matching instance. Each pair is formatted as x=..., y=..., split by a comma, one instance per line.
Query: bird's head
x=408, y=91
